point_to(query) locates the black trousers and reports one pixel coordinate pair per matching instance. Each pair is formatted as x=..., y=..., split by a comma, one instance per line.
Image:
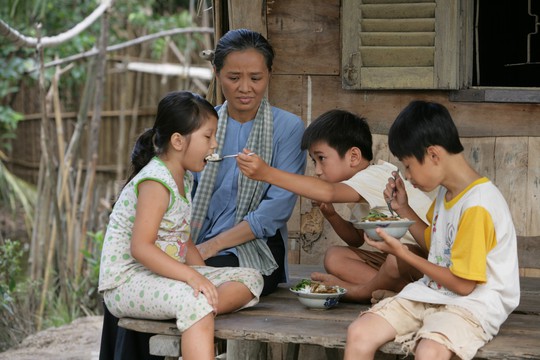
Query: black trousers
x=122, y=344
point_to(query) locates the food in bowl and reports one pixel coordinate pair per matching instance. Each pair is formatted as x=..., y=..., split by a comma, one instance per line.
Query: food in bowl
x=392, y=225
x=316, y=295
x=375, y=215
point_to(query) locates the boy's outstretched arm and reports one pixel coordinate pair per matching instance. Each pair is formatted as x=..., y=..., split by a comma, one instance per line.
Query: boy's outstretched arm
x=308, y=186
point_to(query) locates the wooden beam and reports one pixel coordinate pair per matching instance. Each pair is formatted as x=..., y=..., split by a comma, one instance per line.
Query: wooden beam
x=497, y=95
x=248, y=14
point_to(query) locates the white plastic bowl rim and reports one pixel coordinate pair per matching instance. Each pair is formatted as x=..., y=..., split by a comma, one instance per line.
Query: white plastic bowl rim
x=341, y=291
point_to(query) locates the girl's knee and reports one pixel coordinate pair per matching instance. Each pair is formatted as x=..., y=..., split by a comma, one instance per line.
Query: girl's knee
x=256, y=276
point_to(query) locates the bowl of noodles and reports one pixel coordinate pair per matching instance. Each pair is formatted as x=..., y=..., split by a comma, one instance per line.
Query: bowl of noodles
x=392, y=225
x=315, y=295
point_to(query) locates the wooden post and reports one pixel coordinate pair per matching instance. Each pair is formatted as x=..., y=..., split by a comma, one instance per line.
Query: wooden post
x=246, y=350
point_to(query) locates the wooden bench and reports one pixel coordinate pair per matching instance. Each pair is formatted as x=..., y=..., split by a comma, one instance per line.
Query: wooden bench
x=280, y=319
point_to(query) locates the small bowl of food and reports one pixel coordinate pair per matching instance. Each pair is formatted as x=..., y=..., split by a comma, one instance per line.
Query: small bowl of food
x=315, y=295
x=392, y=225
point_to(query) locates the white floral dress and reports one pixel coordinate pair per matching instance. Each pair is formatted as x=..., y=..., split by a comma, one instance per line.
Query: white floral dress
x=130, y=289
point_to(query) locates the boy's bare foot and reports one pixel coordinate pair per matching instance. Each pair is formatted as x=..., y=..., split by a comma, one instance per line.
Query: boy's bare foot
x=328, y=279
x=378, y=295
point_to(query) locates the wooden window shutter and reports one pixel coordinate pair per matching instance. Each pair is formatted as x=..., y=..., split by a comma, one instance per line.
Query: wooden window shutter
x=404, y=44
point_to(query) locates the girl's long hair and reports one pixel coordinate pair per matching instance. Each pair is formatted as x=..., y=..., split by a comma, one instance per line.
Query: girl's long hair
x=180, y=112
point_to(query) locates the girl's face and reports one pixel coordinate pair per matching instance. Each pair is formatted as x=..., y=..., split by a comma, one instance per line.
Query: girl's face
x=244, y=79
x=202, y=142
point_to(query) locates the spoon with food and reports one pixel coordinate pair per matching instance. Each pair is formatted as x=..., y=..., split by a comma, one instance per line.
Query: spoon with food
x=215, y=157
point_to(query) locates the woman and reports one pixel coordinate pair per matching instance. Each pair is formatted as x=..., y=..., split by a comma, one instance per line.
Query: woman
x=237, y=221
x=242, y=63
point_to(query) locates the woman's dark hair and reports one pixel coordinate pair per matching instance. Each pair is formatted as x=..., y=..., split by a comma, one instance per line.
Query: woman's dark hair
x=341, y=130
x=180, y=112
x=420, y=125
x=242, y=39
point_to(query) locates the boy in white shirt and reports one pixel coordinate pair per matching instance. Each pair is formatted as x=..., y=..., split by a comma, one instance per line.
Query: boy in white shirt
x=340, y=145
x=471, y=277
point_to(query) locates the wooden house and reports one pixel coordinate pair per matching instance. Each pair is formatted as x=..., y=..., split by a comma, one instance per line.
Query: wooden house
x=373, y=57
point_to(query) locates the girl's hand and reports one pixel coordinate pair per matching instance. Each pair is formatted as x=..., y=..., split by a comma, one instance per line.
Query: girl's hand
x=200, y=284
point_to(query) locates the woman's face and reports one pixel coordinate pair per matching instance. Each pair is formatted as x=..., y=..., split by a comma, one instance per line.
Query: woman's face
x=244, y=79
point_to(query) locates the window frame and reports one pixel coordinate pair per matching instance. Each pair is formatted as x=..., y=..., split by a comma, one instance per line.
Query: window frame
x=453, y=56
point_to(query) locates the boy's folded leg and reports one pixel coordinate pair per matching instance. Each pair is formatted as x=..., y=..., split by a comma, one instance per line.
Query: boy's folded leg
x=378, y=295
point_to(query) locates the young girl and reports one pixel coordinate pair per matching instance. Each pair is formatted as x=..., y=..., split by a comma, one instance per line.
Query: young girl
x=150, y=268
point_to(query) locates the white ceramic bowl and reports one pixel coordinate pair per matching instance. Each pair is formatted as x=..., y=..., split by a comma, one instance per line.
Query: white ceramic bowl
x=321, y=301
x=395, y=228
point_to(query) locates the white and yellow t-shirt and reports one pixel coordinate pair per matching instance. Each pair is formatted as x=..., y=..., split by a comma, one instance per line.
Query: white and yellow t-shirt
x=473, y=235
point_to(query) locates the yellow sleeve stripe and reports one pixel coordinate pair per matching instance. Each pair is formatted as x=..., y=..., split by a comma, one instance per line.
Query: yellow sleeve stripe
x=427, y=231
x=475, y=238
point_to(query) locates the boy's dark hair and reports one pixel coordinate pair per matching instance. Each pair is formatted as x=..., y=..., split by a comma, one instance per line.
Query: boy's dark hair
x=420, y=125
x=341, y=130
x=240, y=40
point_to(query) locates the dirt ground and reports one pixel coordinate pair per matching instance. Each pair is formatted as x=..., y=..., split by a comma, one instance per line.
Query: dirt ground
x=77, y=341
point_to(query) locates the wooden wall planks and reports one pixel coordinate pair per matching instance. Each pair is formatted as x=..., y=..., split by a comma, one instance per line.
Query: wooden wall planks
x=501, y=140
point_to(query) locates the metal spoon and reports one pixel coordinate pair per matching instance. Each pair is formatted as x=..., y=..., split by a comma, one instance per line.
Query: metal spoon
x=389, y=201
x=217, y=159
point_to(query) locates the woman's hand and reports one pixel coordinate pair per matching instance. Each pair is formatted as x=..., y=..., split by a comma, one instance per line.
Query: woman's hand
x=200, y=284
x=252, y=166
x=207, y=249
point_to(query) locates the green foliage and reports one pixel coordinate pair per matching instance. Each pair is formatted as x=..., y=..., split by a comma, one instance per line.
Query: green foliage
x=13, y=68
x=154, y=16
x=82, y=294
x=17, y=296
x=181, y=19
x=93, y=262
x=15, y=192
x=132, y=18
x=68, y=297
x=22, y=9
x=10, y=266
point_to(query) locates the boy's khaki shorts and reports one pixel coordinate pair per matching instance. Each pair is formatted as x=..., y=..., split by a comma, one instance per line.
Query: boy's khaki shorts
x=451, y=326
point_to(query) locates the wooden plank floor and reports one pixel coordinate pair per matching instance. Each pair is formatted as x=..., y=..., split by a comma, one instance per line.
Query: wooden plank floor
x=280, y=318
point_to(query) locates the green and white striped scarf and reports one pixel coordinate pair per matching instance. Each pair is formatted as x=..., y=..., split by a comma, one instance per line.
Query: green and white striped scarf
x=256, y=253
